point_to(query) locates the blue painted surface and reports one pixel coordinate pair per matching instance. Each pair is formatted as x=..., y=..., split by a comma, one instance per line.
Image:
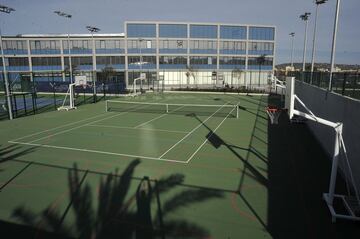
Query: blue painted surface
x=15, y=52
x=203, y=51
x=233, y=52
x=77, y=51
x=204, y=66
x=172, y=66
x=143, y=50
x=17, y=68
x=242, y=67
x=256, y=67
x=144, y=66
x=110, y=51
x=44, y=52
x=85, y=67
x=43, y=68
x=260, y=52
x=115, y=66
x=175, y=51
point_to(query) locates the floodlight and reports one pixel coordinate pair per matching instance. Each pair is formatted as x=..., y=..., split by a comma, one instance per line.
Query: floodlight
x=6, y=9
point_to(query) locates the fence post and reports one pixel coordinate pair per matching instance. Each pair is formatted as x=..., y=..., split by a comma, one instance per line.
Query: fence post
x=343, y=85
x=24, y=100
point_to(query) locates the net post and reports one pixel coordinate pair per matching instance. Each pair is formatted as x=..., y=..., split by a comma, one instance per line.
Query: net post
x=237, y=111
x=106, y=106
x=167, y=108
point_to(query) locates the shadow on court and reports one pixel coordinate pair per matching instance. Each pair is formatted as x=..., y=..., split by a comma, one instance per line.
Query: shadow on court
x=249, y=169
x=119, y=212
x=9, y=153
x=298, y=174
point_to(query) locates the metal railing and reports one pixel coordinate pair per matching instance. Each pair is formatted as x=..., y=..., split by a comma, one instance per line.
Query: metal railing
x=344, y=83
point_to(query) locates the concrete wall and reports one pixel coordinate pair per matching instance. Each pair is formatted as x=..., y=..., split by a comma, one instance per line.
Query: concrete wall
x=335, y=108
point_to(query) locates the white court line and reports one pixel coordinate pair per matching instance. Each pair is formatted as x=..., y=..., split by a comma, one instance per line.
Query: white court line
x=142, y=124
x=197, y=150
x=191, y=131
x=146, y=129
x=59, y=127
x=97, y=151
x=77, y=127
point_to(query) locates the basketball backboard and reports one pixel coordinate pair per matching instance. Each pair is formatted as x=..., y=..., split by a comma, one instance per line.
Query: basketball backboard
x=80, y=80
x=290, y=96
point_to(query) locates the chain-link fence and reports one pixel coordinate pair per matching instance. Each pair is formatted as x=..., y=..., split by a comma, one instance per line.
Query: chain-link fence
x=36, y=92
x=32, y=93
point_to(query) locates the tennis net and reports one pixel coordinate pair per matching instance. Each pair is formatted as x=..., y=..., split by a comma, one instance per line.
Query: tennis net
x=226, y=110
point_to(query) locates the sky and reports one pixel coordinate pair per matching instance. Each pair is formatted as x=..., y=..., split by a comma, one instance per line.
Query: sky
x=37, y=17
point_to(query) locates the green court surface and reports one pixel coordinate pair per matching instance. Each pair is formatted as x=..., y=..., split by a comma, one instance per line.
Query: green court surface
x=143, y=173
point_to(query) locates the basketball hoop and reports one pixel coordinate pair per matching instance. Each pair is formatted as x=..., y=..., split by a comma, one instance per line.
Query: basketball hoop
x=273, y=113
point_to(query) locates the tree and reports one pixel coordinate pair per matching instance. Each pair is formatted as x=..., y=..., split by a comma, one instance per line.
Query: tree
x=190, y=72
x=121, y=212
x=260, y=60
x=237, y=74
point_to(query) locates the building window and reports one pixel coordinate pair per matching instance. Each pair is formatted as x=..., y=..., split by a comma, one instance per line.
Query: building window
x=14, y=44
x=203, y=31
x=78, y=44
x=18, y=61
x=204, y=45
x=261, y=33
x=258, y=48
x=172, y=60
x=232, y=32
x=46, y=61
x=110, y=60
x=228, y=60
x=140, y=30
x=173, y=30
x=203, y=60
x=254, y=61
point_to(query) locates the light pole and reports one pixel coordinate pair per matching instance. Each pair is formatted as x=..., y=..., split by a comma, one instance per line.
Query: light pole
x=317, y=2
x=68, y=16
x=140, y=41
x=305, y=17
x=7, y=89
x=92, y=30
x=334, y=42
x=292, y=34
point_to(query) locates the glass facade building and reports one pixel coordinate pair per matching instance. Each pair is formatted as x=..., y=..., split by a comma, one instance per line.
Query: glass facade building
x=159, y=48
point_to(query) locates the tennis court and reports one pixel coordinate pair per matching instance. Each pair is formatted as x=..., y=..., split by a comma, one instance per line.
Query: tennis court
x=166, y=165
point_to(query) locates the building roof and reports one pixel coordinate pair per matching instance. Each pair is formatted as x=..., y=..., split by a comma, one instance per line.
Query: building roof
x=71, y=35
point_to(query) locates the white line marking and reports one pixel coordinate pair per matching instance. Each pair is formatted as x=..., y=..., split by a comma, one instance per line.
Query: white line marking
x=142, y=124
x=150, y=121
x=77, y=127
x=59, y=127
x=191, y=131
x=197, y=150
x=97, y=151
x=146, y=129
